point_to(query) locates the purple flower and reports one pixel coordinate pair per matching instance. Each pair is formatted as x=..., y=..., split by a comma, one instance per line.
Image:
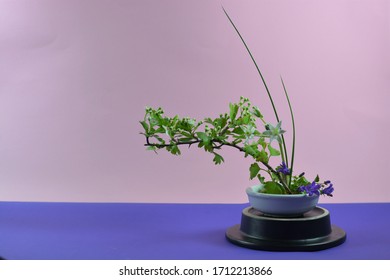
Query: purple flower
x=310, y=189
x=283, y=169
x=327, y=182
x=328, y=190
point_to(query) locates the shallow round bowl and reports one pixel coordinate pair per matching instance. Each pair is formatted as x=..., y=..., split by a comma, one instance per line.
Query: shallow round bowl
x=280, y=205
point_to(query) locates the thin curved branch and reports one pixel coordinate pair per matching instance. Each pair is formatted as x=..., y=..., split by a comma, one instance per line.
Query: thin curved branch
x=169, y=145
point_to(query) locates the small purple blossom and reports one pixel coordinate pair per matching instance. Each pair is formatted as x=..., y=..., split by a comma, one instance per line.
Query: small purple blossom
x=283, y=169
x=310, y=189
x=316, y=189
x=328, y=190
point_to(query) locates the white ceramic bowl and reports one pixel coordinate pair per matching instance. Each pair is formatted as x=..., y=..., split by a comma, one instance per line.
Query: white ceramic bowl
x=280, y=205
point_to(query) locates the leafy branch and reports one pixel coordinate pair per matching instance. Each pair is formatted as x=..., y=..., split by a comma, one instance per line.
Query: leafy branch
x=237, y=129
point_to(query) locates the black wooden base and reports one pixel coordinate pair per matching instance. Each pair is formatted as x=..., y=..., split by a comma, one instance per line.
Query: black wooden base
x=310, y=232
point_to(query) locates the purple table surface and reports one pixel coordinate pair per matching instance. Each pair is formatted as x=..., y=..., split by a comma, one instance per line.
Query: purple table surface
x=126, y=231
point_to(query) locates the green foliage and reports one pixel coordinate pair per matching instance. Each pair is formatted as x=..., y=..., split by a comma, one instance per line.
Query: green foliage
x=272, y=151
x=251, y=150
x=257, y=113
x=233, y=111
x=174, y=150
x=254, y=170
x=218, y=159
x=144, y=125
x=261, y=179
x=152, y=148
x=204, y=138
x=263, y=157
x=237, y=129
x=298, y=181
x=272, y=188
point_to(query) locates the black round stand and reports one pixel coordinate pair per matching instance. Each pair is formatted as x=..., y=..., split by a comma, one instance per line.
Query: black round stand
x=310, y=232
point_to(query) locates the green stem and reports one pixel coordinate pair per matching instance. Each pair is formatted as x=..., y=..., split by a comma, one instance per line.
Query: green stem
x=284, y=184
x=282, y=153
x=263, y=80
x=293, y=127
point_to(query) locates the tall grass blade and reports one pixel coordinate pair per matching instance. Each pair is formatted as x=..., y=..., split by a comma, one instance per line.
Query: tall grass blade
x=264, y=83
x=293, y=127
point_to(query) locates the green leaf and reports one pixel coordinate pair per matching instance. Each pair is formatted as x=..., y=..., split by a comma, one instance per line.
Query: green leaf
x=208, y=120
x=246, y=119
x=218, y=159
x=262, y=142
x=251, y=150
x=203, y=137
x=261, y=178
x=254, y=170
x=169, y=132
x=205, y=141
x=220, y=122
x=257, y=133
x=256, y=112
x=145, y=126
x=185, y=139
x=300, y=181
x=186, y=134
x=238, y=130
x=174, y=150
x=153, y=121
x=272, y=151
x=274, y=177
x=208, y=147
x=185, y=126
x=160, y=130
x=263, y=157
x=317, y=179
x=233, y=111
x=159, y=139
x=152, y=148
x=272, y=188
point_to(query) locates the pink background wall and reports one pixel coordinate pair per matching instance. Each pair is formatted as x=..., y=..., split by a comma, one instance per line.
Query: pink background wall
x=75, y=77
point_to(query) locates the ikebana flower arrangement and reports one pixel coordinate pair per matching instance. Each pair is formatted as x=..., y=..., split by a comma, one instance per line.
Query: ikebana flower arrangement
x=283, y=214
x=244, y=128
